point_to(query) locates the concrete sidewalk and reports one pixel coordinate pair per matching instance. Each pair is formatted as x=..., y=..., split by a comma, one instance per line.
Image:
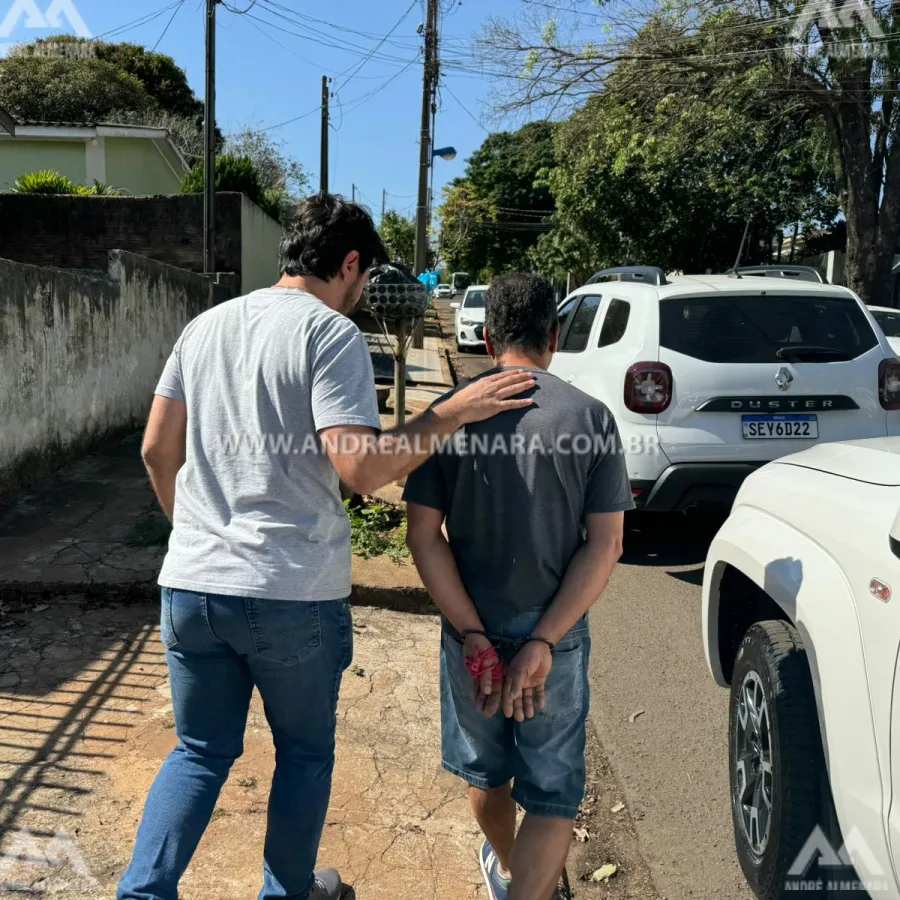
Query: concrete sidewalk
x=86, y=721
x=96, y=531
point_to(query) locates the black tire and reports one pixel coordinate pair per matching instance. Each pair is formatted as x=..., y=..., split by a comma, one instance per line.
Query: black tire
x=771, y=659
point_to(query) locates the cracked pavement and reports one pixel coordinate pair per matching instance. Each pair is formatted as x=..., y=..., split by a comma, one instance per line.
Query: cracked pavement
x=86, y=721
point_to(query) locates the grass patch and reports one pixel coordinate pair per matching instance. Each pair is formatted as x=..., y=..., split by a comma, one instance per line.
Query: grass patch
x=378, y=530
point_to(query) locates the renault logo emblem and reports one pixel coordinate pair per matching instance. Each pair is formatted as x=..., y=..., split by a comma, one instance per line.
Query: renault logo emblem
x=783, y=378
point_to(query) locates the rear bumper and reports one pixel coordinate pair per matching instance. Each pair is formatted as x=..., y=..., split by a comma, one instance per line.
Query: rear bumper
x=684, y=485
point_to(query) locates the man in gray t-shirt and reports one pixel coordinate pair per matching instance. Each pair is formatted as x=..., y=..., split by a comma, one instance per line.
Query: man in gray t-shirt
x=533, y=504
x=265, y=403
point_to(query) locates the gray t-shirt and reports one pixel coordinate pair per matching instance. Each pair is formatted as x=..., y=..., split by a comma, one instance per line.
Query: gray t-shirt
x=515, y=491
x=258, y=510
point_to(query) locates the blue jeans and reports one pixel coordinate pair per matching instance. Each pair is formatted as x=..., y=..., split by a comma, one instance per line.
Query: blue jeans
x=217, y=649
x=543, y=756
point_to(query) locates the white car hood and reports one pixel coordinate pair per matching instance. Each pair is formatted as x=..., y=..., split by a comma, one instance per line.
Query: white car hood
x=473, y=315
x=875, y=460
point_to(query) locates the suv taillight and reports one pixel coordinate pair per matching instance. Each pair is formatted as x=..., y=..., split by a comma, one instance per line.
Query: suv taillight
x=889, y=383
x=648, y=387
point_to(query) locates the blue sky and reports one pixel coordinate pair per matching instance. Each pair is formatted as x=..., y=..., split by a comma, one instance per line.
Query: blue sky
x=270, y=66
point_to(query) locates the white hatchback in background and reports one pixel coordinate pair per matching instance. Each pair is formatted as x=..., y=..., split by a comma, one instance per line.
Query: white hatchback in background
x=470, y=317
x=710, y=376
x=889, y=321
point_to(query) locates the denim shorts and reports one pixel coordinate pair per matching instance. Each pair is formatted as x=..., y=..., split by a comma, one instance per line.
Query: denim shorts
x=543, y=756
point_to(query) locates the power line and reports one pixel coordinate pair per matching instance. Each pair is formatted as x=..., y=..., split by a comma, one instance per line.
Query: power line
x=464, y=108
x=317, y=36
x=143, y=20
x=378, y=46
x=169, y=24
x=360, y=101
x=306, y=115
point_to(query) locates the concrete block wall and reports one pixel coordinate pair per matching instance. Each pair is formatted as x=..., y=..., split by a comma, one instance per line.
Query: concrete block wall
x=80, y=354
x=79, y=232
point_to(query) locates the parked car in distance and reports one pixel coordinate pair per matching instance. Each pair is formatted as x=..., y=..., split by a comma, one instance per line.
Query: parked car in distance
x=470, y=318
x=801, y=624
x=889, y=321
x=443, y=292
x=710, y=376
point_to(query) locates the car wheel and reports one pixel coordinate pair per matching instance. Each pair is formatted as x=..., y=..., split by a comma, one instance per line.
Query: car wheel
x=779, y=784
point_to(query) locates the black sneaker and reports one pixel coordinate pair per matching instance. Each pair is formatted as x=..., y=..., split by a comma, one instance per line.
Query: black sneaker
x=328, y=885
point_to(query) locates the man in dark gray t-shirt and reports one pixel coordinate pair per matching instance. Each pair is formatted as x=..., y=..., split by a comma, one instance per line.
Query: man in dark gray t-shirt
x=533, y=503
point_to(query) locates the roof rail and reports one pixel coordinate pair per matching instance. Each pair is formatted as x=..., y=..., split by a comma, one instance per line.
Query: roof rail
x=774, y=270
x=644, y=274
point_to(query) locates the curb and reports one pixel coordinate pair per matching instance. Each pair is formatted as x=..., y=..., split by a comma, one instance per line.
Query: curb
x=21, y=594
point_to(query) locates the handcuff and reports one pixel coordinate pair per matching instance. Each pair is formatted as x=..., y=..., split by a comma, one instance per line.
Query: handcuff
x=488, y=660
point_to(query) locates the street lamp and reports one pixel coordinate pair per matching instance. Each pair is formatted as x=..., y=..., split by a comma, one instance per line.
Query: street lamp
x=423, y=214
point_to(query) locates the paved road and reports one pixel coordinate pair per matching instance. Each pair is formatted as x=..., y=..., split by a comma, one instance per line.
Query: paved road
x=672, y=762
x=648, y=655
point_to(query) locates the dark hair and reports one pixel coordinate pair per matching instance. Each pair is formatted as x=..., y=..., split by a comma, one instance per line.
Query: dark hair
x=520, y=313
x=323, y=230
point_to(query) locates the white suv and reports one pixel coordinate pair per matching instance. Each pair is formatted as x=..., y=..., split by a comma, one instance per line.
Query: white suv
x=470, y=317
x=801, y=623
x=710, y=376
x=889, y=322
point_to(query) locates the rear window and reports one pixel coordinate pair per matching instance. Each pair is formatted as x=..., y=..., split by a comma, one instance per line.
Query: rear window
x=770, y=328
x=474, y=300
x=888, y=321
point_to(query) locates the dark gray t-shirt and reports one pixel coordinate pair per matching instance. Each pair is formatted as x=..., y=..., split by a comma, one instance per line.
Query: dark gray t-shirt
x=516, y=489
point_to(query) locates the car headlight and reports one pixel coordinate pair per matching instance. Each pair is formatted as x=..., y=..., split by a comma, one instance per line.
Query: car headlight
x=468, y=322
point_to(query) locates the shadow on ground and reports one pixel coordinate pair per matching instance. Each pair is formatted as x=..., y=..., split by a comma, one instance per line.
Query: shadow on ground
x=670, y=540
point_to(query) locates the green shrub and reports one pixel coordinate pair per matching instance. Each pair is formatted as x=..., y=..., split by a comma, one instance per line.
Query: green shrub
x=48, y=182
x=237, y=173
x=45, y=182
x=377, y=530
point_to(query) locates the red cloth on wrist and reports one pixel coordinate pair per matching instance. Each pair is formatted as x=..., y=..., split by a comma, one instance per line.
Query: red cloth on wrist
x=486, y=660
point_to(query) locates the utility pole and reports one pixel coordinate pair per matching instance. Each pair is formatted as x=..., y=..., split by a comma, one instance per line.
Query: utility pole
x=354, y=194
x=383, y=203
x=209, y=142
x=429, y=83
x=323, y=169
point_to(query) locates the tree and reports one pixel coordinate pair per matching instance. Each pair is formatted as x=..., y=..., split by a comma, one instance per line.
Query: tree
x=164, y=81
x=494, y=214
x=68, y=78
x=399, y=236
x=647, y=175
x=67, y=90
x=282, y=177
x=836, y=61
x=234, y=173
